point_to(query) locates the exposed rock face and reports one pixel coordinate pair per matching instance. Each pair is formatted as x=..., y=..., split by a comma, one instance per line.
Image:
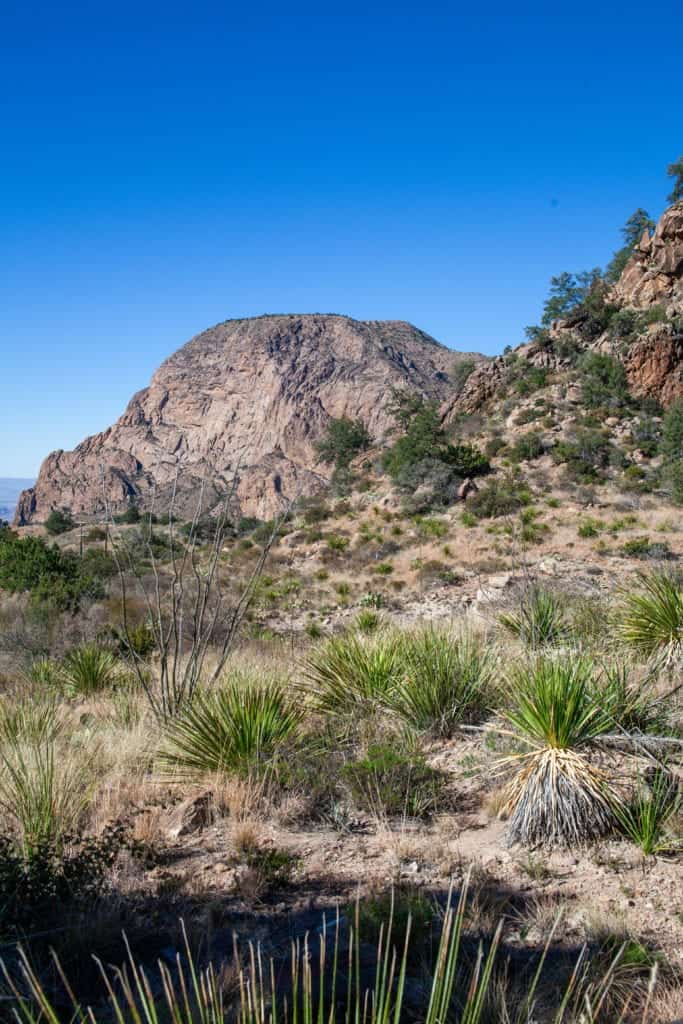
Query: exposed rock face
x=654, y=274
x=249, y=398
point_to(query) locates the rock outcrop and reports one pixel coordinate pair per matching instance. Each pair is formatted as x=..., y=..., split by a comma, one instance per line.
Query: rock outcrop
x=245, y=400
x=654, y=273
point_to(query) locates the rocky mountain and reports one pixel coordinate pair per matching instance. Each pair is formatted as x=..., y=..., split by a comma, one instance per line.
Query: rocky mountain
x=246, y=399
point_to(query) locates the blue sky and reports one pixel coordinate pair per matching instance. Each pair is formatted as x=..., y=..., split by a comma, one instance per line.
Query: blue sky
x=168, y=166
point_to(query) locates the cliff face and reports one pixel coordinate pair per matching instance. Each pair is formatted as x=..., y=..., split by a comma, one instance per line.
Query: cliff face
x=250, y=398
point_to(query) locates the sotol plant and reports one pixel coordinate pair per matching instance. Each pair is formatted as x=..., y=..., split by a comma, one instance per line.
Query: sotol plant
x=540, y=620
x=650, y=620
x=88, y=669
x=556, y=795
x=353, y=675
x=447, y=681
x=232, y=729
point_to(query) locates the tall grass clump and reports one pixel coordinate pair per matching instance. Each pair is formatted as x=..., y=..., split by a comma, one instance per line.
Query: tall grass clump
x=230, y=730
x=326, y=980
x=89, y=669
x=353, y=675
x=650, y=620
x=540, y=620
x=43, y=791
x=556, y=795
x=447, y=681
x=649, y=818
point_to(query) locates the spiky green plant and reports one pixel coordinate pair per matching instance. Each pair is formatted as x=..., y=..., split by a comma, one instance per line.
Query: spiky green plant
x=635, y=705
x=325, y=983
x=232, y=729
x=352, y=674
x=540, y=620
x=556, y=795
x=89, y=669
x=649, y=817
x=446, y=682
x=42, y=794
x=650, y=620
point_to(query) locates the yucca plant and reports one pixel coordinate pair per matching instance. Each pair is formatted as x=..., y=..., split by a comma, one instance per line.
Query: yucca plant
x=446, y=682
x=325, y=983
x=232, y=729
x=650, y=620
x=556, y=795
x=648, y=818
x=27, y=723
x=89, y=669
x=540, y=620
x=353, y=675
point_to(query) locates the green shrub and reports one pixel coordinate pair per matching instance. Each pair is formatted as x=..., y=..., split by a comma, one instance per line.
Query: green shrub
x=643, y=547
x=343, y=440
x=51, y=576
x=527, y=448
x=89, y=669
x=367, y=621
x=447, y=682
x=498, y=498
x=671, y=445
x=59, y=522
x=635, y=706
x=604, y=382
x=233, y=729
x=392, y=782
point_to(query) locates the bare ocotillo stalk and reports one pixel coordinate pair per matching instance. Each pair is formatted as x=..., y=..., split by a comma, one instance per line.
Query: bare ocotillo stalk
x=187, y=601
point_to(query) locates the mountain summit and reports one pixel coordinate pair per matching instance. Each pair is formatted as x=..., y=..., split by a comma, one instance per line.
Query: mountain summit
x=251, y=397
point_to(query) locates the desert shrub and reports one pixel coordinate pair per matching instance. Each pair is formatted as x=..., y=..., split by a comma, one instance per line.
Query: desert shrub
x=36, y=889
x=500, y=497
x=539, y=621
x=424, y=438
x=59, y=522
x=343, y=440
x=585, y=455
x=604, y=382
x=494, y=445
x=556, y=795
x=447, y=681
x=233, y=729
x=89, y=669
x=650, y=618
x=130, y=516
x=643, y=547
x=527, y=448
x=674, y=479
x=353, y=675
x=590, y=527
x=372, y=599
x=430, y=528
x=60, y=578
x=391, y=781
x=335, y=542
x=671, y=445
x=649, y=817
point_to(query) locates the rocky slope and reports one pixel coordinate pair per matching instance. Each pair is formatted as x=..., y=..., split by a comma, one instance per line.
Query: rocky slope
x=246, y=398
x=649, y=343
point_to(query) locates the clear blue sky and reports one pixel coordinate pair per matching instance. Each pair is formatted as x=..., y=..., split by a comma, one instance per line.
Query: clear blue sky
x=167, y=166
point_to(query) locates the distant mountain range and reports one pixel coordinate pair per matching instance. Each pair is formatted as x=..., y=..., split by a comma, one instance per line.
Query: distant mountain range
x=10, y=489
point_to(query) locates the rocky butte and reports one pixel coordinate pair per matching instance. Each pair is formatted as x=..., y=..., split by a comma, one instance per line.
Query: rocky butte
x=247, y=398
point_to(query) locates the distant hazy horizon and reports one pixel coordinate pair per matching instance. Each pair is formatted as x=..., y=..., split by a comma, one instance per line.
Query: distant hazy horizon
x=10, y=489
